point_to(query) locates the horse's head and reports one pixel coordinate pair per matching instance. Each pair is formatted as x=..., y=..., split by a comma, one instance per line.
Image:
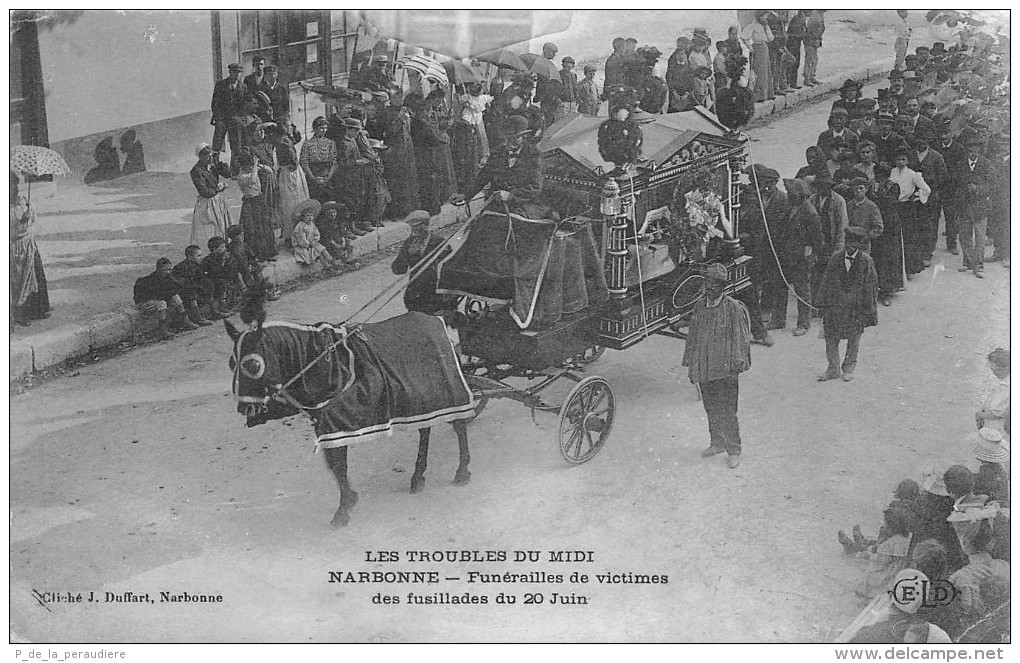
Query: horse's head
x=258, y=377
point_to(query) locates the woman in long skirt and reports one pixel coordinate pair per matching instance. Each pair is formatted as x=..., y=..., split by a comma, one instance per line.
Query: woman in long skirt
x=30, y=298
x=211, y=217
x=264, y=151
x=887, y=248
x=255, y=219
x=399, y=166
x=436, y=179
x=293, y=185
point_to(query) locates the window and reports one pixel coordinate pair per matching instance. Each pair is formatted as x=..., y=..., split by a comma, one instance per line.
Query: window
x=342, y=40
x=290, y=39
x=258, y=33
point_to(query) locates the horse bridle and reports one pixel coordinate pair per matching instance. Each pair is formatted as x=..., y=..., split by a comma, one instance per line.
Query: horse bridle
x=279, y=392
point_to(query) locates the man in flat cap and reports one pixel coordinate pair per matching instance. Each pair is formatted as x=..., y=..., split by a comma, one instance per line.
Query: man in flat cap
x=227, y=99
x=848, y=301
x=569, y=79
x=755, y=239
x=861, y=212
x=588, y=96
x=831, y=209
x=420, y=294
x=514, y=170
x=717, y=351
x=888, y=143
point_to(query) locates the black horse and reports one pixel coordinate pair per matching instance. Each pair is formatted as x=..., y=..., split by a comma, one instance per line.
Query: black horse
x=355, y=383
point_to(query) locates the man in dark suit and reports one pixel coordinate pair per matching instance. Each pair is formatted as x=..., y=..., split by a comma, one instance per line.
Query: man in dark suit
x=955, y=155
x=615, y=72
x=918, y=122
x=253, y=81
x=514, y=169
x=226, y=103
x=279, y=99
x=887, y=142
x=974, y=184
x=932, y=167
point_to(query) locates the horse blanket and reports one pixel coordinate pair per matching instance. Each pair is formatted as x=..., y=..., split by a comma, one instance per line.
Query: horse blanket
x=399, y=374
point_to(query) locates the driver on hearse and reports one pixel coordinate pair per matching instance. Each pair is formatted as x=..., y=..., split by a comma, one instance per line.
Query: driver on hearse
x=514, y=170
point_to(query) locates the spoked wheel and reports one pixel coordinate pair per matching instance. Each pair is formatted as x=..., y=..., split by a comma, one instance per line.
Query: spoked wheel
x=586, y=419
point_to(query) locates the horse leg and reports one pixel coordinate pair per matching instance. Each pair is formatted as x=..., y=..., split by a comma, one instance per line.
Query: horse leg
x=463, y=476
x=336, y=459
x=418, y=478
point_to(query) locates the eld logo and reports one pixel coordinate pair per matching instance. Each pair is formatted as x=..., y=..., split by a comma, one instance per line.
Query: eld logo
x=930, y=593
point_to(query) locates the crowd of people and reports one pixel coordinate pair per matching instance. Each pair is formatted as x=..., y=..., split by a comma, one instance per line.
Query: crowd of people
x=876, y=187
x=951, y=530
x=878, y=183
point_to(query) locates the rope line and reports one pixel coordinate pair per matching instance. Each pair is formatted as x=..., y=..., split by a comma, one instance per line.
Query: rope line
x=768, y=233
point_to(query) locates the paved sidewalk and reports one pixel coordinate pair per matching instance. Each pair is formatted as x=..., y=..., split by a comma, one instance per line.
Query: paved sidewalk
x=97, y=240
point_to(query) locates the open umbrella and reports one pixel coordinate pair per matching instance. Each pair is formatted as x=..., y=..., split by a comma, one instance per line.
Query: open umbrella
x=540, y=66
x=503, y=58
x=459, y=72
x=35, y=160
x=427, y=67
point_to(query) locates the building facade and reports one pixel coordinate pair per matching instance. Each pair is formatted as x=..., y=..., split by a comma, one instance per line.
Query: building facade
x=104, y=87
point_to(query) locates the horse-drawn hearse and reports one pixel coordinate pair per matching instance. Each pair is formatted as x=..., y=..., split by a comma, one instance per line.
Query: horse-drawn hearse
x=619, y=255
x=606, y=256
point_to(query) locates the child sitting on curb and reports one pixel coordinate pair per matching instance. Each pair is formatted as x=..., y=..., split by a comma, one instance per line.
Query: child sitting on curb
x=335, y=232
x=247, y=263
x=221, y=271
x=305, y=239
x=157, y=292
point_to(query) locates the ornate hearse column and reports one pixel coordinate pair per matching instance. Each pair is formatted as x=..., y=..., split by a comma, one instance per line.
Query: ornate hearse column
x=735, y=170
x=616, y=212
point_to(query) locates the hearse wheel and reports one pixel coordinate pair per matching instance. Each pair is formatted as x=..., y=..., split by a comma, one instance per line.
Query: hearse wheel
x=586, y=418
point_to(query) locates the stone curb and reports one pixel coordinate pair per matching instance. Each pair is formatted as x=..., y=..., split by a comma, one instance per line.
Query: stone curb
x=51, y=347
x=766, y=109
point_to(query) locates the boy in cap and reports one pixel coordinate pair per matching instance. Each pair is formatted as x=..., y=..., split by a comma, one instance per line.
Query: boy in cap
x=195, y=288
x=718, y=349
x=588, y=95
x=420, y=294
x=569, y=80
x=848, y=301
x=863, y=213
x=157, y=292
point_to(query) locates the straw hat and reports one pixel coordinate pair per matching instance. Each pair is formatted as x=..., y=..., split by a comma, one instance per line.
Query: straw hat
x=988, y=445
x=201, y=147
x=303, y=206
